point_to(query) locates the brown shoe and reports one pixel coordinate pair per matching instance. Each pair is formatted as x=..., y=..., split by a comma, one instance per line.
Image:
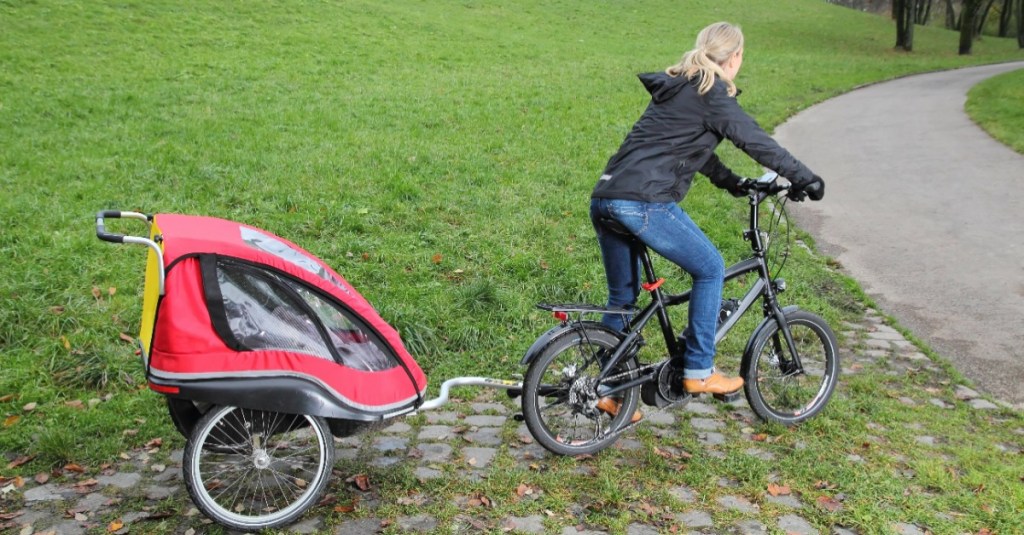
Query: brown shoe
x=611, y=406
x=716, y=384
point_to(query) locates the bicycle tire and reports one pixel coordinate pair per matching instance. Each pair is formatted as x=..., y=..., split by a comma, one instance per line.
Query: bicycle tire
x=774, y=393
x=277, y=470
x=550, y=415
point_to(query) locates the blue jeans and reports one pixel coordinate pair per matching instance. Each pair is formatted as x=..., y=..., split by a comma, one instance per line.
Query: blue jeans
x=667, y=230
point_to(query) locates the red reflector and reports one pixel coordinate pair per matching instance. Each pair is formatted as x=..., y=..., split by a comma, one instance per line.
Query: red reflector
x=163, y=389
x=560, y=316
x=651, y=286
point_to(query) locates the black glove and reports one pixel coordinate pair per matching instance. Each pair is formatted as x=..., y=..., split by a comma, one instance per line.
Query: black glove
x=738, y=186
x=813, y=188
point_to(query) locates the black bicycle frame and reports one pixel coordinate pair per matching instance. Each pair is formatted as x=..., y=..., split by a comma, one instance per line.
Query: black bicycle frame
x=762, y=287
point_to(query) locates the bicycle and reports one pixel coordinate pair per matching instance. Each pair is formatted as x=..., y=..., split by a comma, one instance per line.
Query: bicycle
x=790, y=365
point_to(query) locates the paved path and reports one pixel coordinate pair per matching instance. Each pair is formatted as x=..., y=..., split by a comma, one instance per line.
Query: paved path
x=143, y=492
x=924, y=209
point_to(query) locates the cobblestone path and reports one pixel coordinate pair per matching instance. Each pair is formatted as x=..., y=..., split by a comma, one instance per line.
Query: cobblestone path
x=467, y=443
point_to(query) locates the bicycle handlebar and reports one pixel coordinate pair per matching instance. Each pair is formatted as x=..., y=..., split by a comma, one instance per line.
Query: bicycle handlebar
x=767, y=184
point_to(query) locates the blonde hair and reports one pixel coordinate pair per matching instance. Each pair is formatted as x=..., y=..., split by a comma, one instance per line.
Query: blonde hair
x=715, y=45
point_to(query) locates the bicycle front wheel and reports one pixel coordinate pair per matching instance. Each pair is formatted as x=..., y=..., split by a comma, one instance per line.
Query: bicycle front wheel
x=251, y=470
x=775, y=390
x=561, y=391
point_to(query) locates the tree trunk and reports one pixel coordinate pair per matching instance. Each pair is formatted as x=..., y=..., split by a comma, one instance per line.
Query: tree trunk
x=982, y=17
x=1005, y=17
x=903, y=10
x=967, y=25
x=1020, y=24
x=923, y=11
x=951, y=20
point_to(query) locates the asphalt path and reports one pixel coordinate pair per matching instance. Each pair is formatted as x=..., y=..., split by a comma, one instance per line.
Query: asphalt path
x=926, y=211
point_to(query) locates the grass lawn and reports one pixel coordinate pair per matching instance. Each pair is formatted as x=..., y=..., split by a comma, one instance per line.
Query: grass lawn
x=439, y=155
x=995, y=105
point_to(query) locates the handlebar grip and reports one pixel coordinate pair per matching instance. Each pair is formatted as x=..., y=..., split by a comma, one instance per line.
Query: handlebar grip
x=101, y=230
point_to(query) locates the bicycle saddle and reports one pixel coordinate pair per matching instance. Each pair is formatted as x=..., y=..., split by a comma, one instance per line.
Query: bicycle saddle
x=615, y=226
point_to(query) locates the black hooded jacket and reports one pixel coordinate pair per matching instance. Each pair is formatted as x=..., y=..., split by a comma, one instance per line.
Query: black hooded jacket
x=676, y=137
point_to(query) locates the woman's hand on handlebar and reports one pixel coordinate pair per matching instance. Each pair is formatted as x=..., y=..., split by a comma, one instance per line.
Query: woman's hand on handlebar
x=814, y=188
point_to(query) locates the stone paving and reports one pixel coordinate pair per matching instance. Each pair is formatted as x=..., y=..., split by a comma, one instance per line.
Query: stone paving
x=463, y=442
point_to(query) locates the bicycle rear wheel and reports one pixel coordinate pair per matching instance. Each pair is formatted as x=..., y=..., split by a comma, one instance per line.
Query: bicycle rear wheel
x=560, y=393
x=251, y=470
x=774, y=390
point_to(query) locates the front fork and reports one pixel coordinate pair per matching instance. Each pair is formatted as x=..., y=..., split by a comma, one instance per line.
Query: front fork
x=793, y=365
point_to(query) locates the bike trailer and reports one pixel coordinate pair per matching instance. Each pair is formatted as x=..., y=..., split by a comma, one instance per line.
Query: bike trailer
x=234, y=315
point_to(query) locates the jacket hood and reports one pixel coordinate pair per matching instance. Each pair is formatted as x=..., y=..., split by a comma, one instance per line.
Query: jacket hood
x=661, y=86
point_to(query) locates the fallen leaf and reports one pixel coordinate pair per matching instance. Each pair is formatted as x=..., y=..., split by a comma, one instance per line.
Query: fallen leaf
x=82, y=517
x=829, y=504
x=362, y=482
x=20, y=461
x=67, y=343
x=436, y=259
x=760, y=437
x=778, y=490
x=73, y=467
x=155, y=443
x=523, y=490
x=75, y=404
x=127, y=338
x=96, y=292
x=111, y=291
x=42, y=478
x=345, y=508
x=29, y=407
x=6, y=398
x=10, y=516
x=87, y=483
x=825, y=485
x=115, y=525
x=58, y=310
x=662, y=453
x=11, y=420
x=19, y=482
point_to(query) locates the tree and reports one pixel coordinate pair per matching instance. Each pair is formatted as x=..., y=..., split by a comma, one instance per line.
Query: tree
x=924, y=11
x=968, y=24
x=1020, y=23
x=951, y=20
x=904, y=11
x=1005, y=17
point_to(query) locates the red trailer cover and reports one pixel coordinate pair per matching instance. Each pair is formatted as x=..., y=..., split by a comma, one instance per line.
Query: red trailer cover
x=241, y=302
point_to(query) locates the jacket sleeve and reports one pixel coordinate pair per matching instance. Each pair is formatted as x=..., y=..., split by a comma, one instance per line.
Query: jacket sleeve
x=726, y=118
x=721, y=175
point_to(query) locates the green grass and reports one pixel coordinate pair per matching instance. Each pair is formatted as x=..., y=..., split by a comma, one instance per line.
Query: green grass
x=377, y=135
x=995, y=104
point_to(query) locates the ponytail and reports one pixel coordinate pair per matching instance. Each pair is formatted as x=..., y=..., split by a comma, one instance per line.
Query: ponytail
x=715, y=44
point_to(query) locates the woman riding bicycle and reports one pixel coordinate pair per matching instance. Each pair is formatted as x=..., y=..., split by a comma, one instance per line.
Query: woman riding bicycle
x=693, y=108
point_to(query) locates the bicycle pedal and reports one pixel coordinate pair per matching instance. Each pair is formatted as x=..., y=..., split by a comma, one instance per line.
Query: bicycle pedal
x=728, y=398
x=518, y=417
